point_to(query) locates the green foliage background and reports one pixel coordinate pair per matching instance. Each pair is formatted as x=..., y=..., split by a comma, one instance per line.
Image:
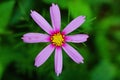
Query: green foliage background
x=101, y=52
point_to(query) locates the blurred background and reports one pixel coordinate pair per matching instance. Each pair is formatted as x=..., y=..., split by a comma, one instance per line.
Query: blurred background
x=101, y=52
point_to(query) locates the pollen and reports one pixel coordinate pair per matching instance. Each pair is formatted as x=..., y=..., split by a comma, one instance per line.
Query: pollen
x=57, y=39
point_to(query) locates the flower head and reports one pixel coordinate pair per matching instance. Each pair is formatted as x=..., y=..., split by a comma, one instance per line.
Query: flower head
x=58, y=39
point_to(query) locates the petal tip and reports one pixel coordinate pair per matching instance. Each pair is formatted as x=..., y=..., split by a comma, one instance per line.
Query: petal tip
x=22, y=38
x=53, y=4
x=84, y=16
x=87, y=36
x=31, y=11
x=58, y=73
x=36, y=64
x=82, y=61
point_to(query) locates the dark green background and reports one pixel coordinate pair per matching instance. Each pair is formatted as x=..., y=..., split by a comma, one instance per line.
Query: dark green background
x=101, y=52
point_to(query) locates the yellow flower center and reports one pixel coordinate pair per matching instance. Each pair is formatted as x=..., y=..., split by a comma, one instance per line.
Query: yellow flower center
x=57, y=39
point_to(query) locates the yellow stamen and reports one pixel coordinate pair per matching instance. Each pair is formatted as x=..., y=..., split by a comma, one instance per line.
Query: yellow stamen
x=57, y=39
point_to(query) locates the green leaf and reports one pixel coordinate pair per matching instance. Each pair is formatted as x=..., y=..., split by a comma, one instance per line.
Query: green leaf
x=22, y=11
x=1, y=70
x=117, y=35
x=99, y=2
x=103, y=71
x=102, y=30
x=5, y=14
x=81, y=8
x=61, y=3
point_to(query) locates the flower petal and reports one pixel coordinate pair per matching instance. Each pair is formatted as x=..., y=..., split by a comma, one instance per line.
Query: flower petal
x=73, y=53
x=78, y=38
x=43, y=55
x=55, y=17
x=41, y=22
x=58, y=61
x=74, y=24
x=35, y=38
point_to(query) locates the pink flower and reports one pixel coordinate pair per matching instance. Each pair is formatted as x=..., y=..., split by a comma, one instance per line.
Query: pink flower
x=57, y=39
